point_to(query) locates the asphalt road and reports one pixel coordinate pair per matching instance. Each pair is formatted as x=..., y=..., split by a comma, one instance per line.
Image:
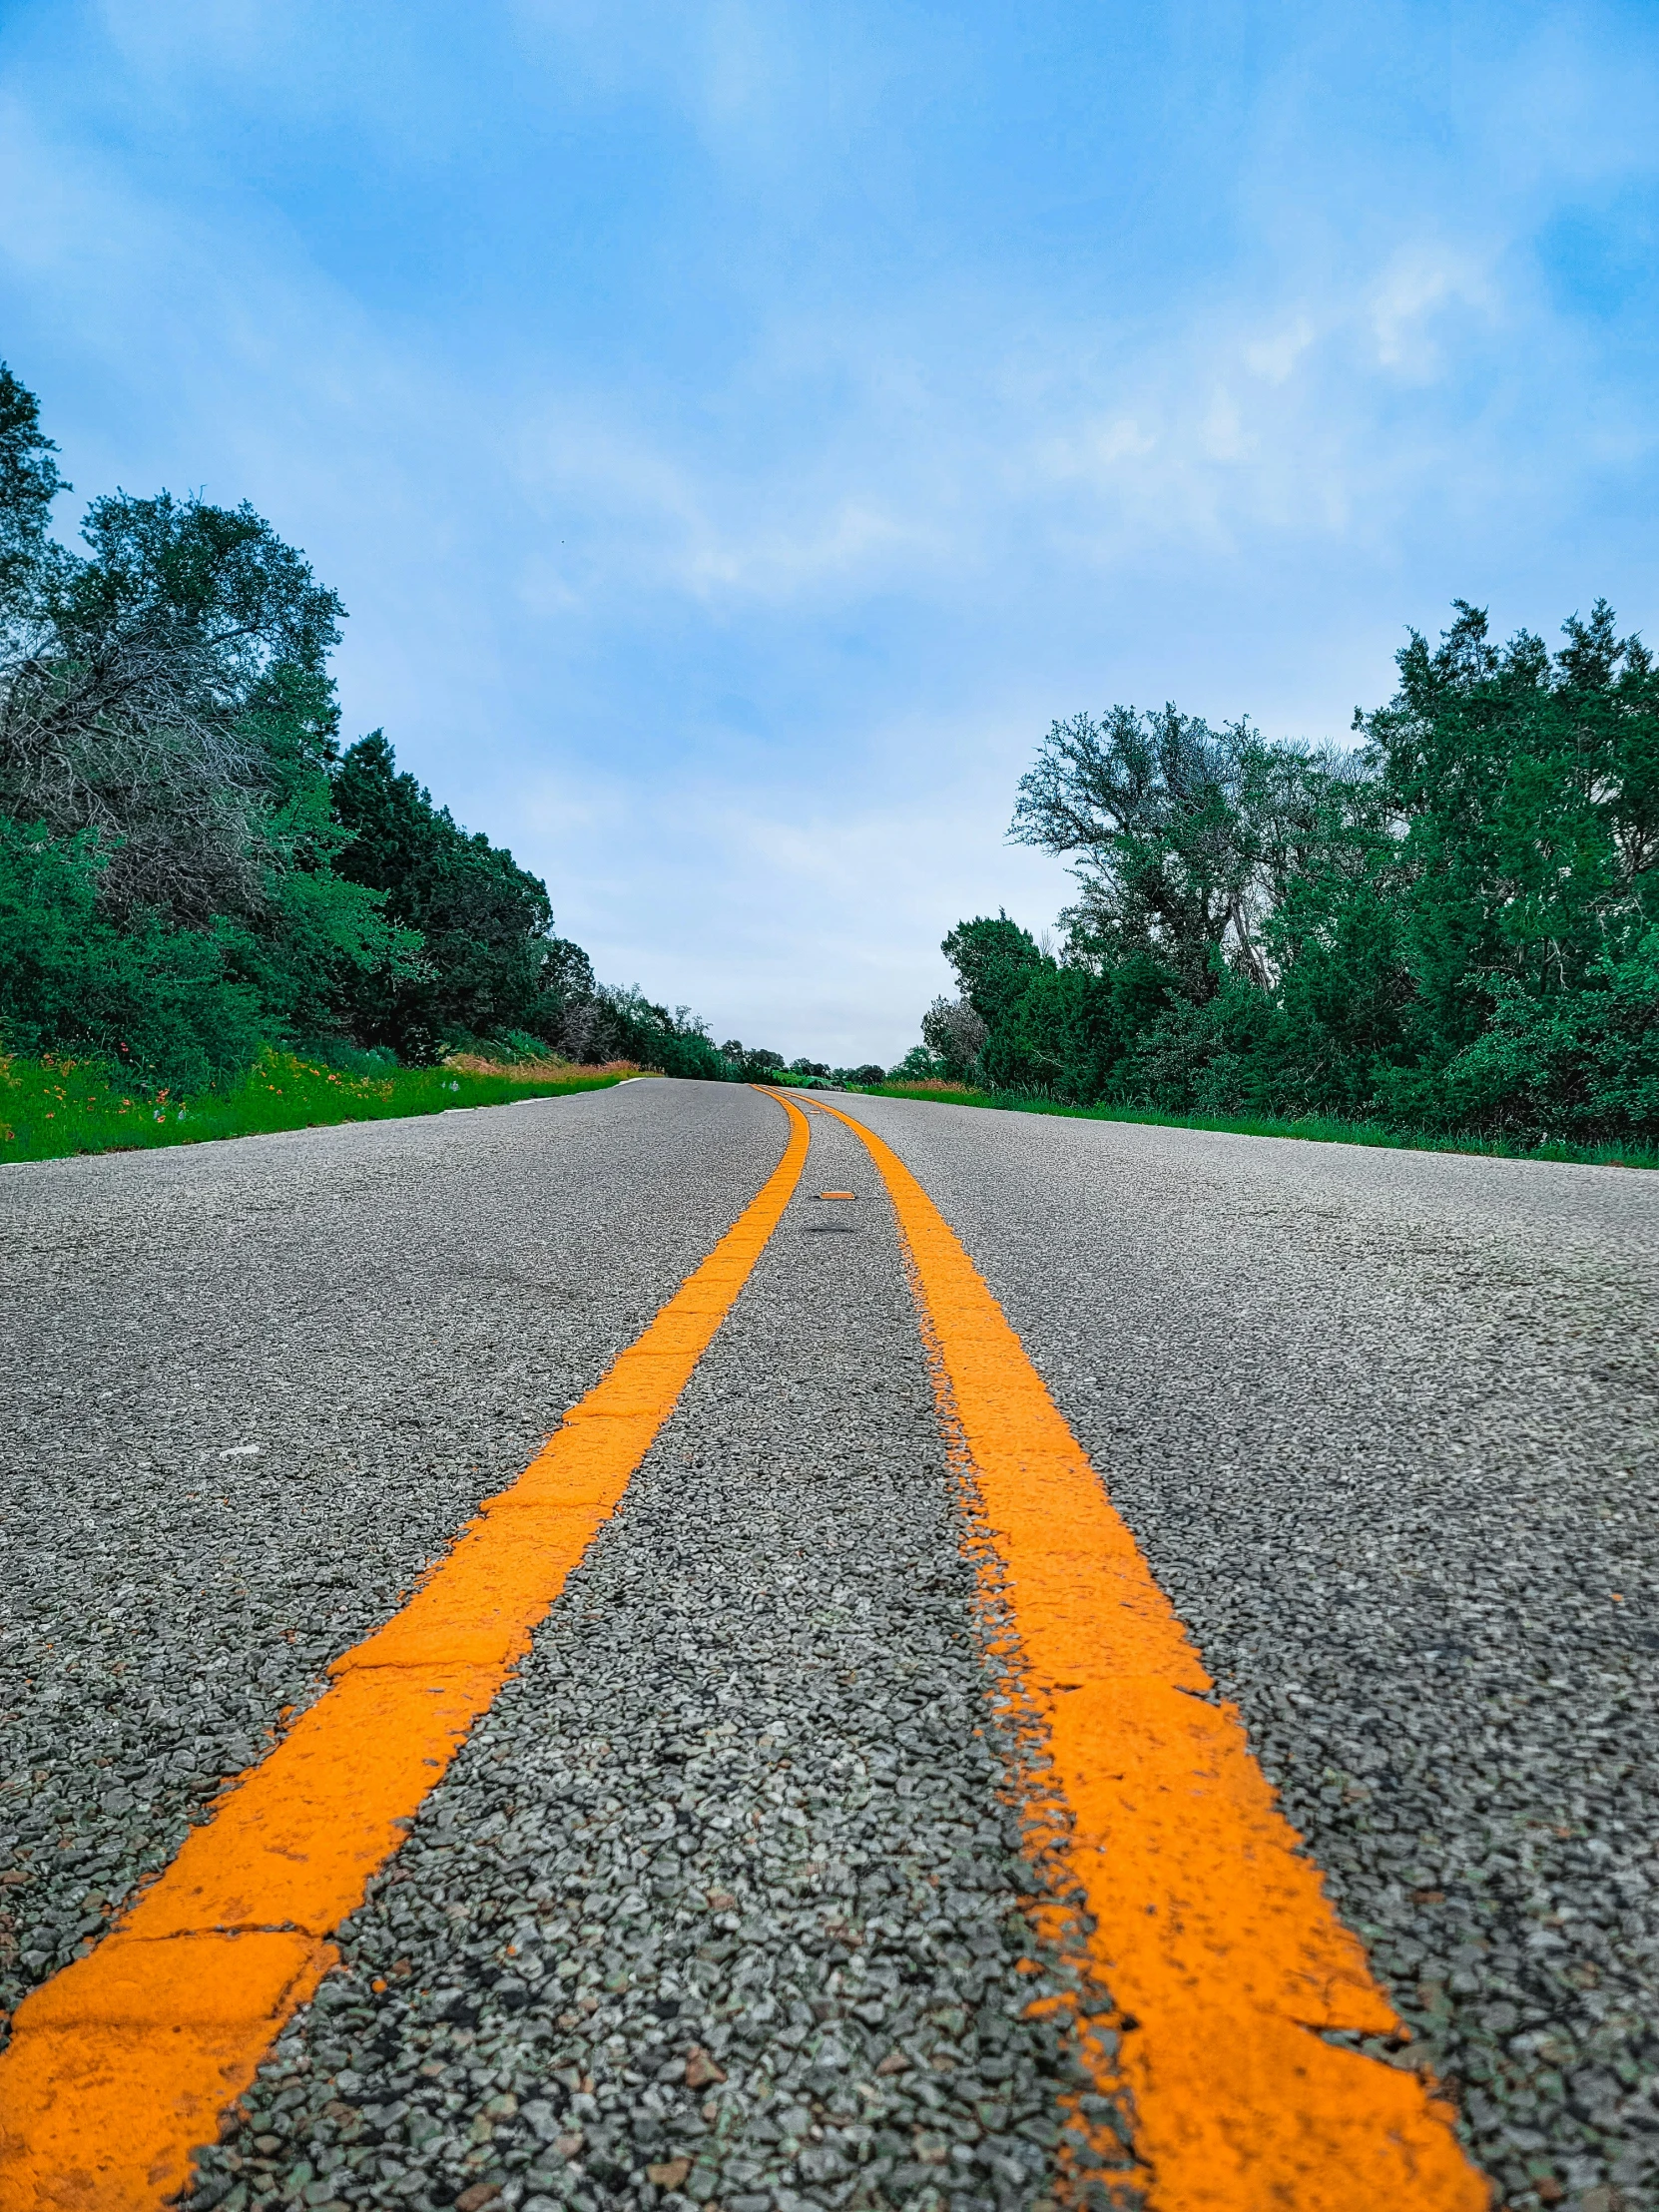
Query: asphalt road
x=721, y=1902
x=1386, y=1426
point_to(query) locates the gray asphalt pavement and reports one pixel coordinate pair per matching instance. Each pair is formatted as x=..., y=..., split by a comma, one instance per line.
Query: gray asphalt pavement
x=720, y=1904
x=723, y=1892
x=1386, y=1425
x=250, y=1390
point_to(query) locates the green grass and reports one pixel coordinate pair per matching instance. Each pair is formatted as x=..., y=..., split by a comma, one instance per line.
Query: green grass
x=1316, y=1129
x=51, y=1108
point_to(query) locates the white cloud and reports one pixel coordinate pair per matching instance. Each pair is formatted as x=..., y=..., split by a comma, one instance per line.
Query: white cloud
x=825, y=934
x=1420, y=284
x=664, y=521
x=1238, y=420
x=900, y=520
x=1277, y=352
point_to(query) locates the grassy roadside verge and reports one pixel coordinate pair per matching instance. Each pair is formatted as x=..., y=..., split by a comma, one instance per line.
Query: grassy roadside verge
x=52, y=1109
x=1314, y=1129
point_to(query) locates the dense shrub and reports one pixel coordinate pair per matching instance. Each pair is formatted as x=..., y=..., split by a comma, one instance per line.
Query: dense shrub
x=190, y=869
x=1452, y=926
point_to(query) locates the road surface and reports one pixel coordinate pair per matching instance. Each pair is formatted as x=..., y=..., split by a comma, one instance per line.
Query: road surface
x=727, y=1898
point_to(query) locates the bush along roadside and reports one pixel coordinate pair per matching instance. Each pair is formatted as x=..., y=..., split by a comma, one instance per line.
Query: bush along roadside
x=193, y=868
x=53, y=1108
x=1450, y=928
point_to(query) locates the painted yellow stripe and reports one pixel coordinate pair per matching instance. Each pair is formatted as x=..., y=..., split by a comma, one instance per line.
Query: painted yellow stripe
x=1211, y=1928
x=122, y=2062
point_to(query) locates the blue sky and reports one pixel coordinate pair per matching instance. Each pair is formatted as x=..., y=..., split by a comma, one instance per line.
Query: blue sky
x=737, y=429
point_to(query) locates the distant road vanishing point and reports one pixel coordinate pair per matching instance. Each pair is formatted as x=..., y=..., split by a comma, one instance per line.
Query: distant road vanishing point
x=687, y=1645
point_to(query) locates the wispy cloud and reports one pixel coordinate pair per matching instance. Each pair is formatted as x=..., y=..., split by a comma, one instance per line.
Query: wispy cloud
x=738, y=427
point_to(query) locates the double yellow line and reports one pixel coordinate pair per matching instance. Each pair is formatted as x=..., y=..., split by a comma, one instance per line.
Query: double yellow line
x=1211, y=1931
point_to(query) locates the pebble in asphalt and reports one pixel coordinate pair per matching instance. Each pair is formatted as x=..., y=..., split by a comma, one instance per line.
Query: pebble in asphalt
x=250, y=1391
x=720, y=1902
x=1386, y=1425
x=1384, y=1422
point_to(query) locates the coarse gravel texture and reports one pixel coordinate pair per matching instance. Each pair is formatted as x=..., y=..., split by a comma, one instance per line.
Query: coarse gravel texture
x=250, y=1390
x=720, y=1904
x=1384, y=1422
x=1385, y=1427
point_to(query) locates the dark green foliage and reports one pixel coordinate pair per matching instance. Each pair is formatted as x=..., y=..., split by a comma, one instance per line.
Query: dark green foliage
x=750, y=1064
x=1454, y=927
x=1528, y=791
x=167, y=736
x=1308, y=1128
x=180, y=1007
x=1582, y=1065
x=490, y=963
x=626, y=1026
x=189, y=871
x=168, y=1004
x=29, y=482
x=994, y=961
x=1062, y=1032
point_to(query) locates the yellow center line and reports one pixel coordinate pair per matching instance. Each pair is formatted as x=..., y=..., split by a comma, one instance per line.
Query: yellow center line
x=1225, y=1960
x=122, y=2063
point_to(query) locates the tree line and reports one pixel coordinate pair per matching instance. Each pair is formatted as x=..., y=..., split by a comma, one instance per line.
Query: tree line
x=1451, y=924
x=193, y=867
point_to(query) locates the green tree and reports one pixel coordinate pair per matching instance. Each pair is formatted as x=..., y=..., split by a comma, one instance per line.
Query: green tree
x=1452, y=926
x=1579, y=1064
x=29, y=482
x=169, y=693
x=166, y=1005
x=188, y=866
x=491, y=963
x=1180, y=832
x=167, y=727
x=750, y=1064
x=1526, y=790
x=629, y=1026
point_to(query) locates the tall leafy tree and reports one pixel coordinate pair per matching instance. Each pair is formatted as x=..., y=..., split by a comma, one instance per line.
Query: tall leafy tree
x=189, y=866
x=491, y=963
x=1454, y=924
x=29, y=482
x=169, y=693
x=1526, y=786
x=167, y=727
x=1182, y=834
